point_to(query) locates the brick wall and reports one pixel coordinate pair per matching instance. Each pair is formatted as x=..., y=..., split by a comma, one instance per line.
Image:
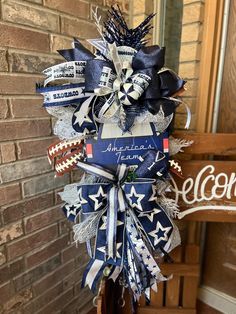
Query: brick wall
x=190, y=46
x=190, y=51
x=40, y=270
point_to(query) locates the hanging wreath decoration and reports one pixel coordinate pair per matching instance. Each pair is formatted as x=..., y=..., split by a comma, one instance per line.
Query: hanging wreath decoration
x=115, y=111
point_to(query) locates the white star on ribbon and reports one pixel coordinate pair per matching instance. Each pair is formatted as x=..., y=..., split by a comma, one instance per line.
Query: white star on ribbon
x=104, y=225
x=94, y=198
x=139, y=196
x=154, y=194
x=80, y=197
x=155, y=235
x=102, y=249
x=82, y=114
x=150, y=215
x=71, y=209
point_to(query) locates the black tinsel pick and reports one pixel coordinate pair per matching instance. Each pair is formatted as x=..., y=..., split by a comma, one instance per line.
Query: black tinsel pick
x=116, y=30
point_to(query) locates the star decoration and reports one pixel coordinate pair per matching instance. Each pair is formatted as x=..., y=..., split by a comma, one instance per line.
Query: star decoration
x=71, y=209
x=80, y=197
x=104, y=225
x=160, y=233
x=98, y=198
x=135, y=199
x=154, y=194
x=102, y=249
x=82, y=116
x=150, y=215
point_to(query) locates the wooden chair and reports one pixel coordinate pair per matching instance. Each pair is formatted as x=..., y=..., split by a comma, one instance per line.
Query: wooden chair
x=179, y=294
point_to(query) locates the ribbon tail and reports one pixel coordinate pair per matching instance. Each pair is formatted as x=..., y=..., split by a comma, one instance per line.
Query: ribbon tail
x=112, y=223
x=92, y=273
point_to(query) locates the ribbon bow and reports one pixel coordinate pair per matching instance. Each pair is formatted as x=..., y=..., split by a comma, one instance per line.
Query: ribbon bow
x=125, y=81
x=130, y=222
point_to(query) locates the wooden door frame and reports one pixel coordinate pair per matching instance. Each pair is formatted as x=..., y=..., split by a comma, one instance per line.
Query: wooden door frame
x=209, y=61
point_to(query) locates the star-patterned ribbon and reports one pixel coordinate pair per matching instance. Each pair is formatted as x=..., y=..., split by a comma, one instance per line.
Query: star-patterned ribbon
x=130, y=218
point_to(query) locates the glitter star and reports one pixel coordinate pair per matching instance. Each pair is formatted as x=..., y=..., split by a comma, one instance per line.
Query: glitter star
x=160, y=233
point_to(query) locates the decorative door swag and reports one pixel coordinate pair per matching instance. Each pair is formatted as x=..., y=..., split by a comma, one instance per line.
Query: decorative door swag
x=115, y=112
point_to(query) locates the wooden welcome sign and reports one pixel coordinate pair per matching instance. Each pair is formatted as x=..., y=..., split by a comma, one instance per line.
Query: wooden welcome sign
x=208, y=190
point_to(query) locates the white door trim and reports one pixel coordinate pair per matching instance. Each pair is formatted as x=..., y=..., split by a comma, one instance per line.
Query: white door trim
x=217, y=299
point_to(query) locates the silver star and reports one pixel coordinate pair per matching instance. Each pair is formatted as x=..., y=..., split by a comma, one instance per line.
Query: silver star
x=94, y=198
x=139, y=197
x=155, y=235
x=80, y=197
x=151, y=215
x=82, y=114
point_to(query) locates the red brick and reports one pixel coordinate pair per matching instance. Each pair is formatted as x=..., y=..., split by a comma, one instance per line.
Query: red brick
x=124, y=5
x=21, y=62
x=24, y=129
x=17, y=301
x=8, y=152
x=43, y=183
x=27, y=207
x=76, y=8
x=24, y=168
x=43, y=299
x=60, y=42
x=46, y=252
x=58, y=303
x=53, y=278
x=3, y=109
x=33, y=148
x=42, y=219
x=27, y=108
x=17, y=84
x=80, y=29
x=6, y=292
x=11, y=270
x=58, y=200
x=31, y=16
x=70, y=253
x=30, y=242
x=14, y=36
x=3, y=60
x=73, y=277
x=30, y=276
x=11, y=232
x=65, y=226
x=83, y=294
x=9, y=194
x=3, y=257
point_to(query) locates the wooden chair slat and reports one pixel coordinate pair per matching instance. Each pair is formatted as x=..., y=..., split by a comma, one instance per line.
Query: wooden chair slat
x=210, y=144
x=173, y=285
x=154, y=310
x=190, y=283
x=180, y=269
